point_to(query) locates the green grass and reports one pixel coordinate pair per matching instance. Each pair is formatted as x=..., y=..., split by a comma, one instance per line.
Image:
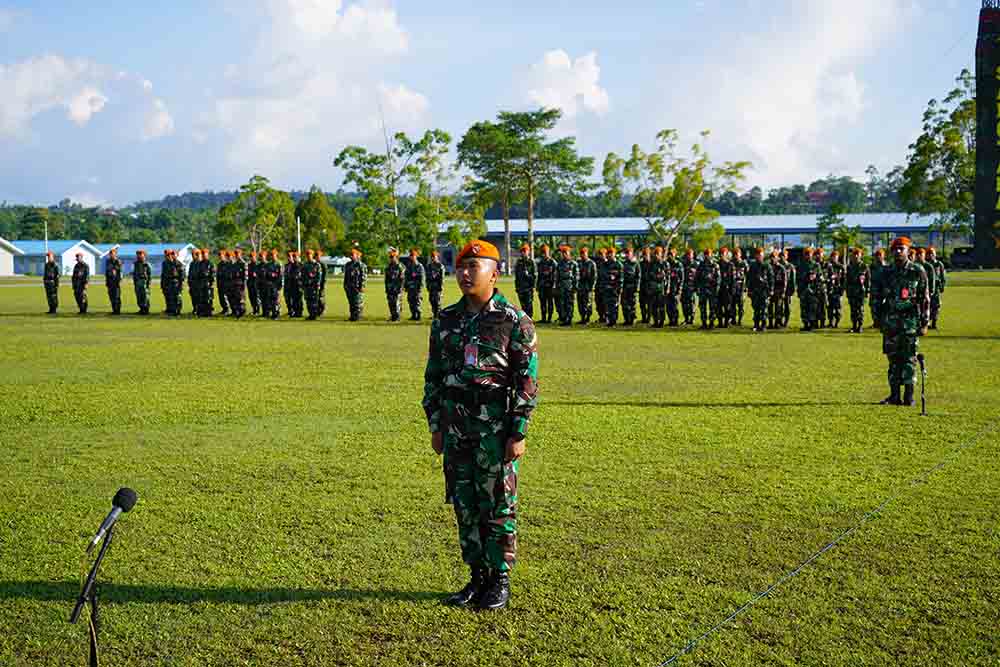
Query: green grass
x=291, y=509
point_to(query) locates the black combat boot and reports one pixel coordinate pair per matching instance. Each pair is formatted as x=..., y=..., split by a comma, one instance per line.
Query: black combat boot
x=934, y=324
x=893, y=397
x=496, y=593
x=472, y=591
x=908, y=396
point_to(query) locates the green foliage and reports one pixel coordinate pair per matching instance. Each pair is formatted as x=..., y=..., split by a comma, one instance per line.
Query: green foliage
x=260, y=216
x=829, y=220
x=322, y=226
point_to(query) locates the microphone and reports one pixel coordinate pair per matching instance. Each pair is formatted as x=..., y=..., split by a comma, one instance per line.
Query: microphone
x=123, y=501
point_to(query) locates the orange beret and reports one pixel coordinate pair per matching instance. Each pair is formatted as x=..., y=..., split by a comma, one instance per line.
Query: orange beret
x=901, y=241
x=478, y=249
x=545, y=247
x=725, y=248
x=414, y=251
x=564, y=246
x=393, y=252
x=356, y=251
x=612, y=251
x=525, y=246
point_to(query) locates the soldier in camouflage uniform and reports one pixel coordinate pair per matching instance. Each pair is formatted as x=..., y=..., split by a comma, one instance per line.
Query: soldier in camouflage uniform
x=877, y=267
x=727, y=288
x=823, y=292
x=525, y=278
x=172, y=283
x=585, y=289
x=413, y=282
x=311, y=274
x=601, y=284
x=567, y=279
x=113, y=281
x=207, y=284
x=775, y=303
x=659, y=286
x=270, y=293
x=707, y=280
x=631, y=279
x=547, y=284
x=740, y=269
x=252, y=282
x=50, y=280
x=792, y=281
x=904, y=307
x=689, y=286
x=645, y=309
x=810, y=284
x=835, y=279
x=355, y=279
x=322, y=282
x=238, y=276
x=480, y=388
x=193, y=281
x=80, y=281
x=293, y=285
x=675, y=287
x=222, y=280
x=142, y=278
x=858, y=284
x=614, y=277
x=940, y=282
x=435, y=282
x=394, y=277
x=760, y=279
x=920, y=259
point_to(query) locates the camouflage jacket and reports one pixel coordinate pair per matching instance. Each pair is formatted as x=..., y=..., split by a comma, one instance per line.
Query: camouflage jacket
x=690, y=275
x=113, y=272
x=658, y=277
x=835, y=277
x=941, y=276
x=547, y=272
x=810, y=278
x=435, y=276
x=293, y=275
x=142, y=274
x=567, y=275
x=678, y=277
x=239, y=273
x=81, y=275
x=610, y=276
x=588, y=274
x=312, y=275
x=172, y=274
x=482, y=370
x=413, y=276
x=271, y=274
x=645, y=266
x=207, y=273
x=741, y=270
x=876, y=270
x=51, y=276
x=858, y=281
x=904, y=299
x=222, y=273
x=790, y=278
x=931, y=276
x=355, y=276
x=252, y=272
x=394, y=277
x=707, y=277
x=525, y=275
x=727, y=276
x=760, y=278
x=780, y=275
x=631, y=275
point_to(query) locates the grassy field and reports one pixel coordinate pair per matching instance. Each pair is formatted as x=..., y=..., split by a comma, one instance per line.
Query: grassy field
x=291, y=509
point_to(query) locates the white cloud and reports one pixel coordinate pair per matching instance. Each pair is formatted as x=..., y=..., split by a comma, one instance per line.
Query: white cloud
x=84, y=105
x=571, y=85
x=89, y=200
x=159, y=122
x=313, y=83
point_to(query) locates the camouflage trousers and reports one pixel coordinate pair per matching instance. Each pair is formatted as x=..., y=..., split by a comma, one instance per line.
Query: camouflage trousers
x=203, y=300
x=673, y=314
x=193, y=296
x=52, y=296
x=254, y=297
x=600, y=300
x=224, y=305
x=585, y=304
x=873, y=306
x=820, y=308
x=708, y=305
x=142, y=297
x=547, y=297
x=270, y=305
x=628, y=305
x=483, y=491
x=115, y=297
x=527, y=300
x=355, y=303
x=434, y=296
x=834, y=304
x=901, y=350
x=611, y=307
x=235, y=299
x=761, y=312
x=395, y=301
x=737, y=310
x=776, y=310
x=935, y=307
x=857, y=304
x=809, y=309
x=687, y=303
x=174, y=300
x=645, y=305
x=565, y=305
x=786, y=309
x=724, y=307
x=80, y=294
x=658, y=308
x=415, y=299
x=293, y=301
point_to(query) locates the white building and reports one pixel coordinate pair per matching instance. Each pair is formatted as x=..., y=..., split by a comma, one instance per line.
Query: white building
x=7, y=253
x=32, y=261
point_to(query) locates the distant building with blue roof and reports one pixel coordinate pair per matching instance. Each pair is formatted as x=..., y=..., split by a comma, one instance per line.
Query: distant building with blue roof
x=155, y=254
x=32, y=261
x=8, y=251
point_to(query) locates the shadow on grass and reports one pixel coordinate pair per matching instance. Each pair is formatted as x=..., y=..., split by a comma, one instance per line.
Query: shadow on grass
x=694, y=404
x=68, y=591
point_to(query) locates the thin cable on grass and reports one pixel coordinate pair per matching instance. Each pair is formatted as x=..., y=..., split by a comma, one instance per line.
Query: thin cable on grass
x=804, y=564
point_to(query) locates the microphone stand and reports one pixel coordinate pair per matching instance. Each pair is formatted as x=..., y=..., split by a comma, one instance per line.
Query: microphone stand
x=89, y=594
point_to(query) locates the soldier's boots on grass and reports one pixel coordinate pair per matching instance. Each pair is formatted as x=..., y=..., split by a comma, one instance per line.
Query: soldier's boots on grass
x=496, y=593
x=893, y=397
x=472, y=592
x=908, y=396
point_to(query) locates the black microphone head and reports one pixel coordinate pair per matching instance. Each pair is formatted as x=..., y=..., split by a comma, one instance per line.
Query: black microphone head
x=125, y=499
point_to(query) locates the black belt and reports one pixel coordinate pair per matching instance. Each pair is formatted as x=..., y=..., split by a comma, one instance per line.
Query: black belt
x=468, y=396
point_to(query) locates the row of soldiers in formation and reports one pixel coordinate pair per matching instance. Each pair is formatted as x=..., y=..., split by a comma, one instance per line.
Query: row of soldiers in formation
x=666, y=286
x=261, y=280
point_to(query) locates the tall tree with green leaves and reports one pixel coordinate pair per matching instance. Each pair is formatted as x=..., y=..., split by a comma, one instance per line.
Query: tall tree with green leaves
x=829, y=220
x=259, y=215
x=541, y=165
x=321, y=224
x=669, y=190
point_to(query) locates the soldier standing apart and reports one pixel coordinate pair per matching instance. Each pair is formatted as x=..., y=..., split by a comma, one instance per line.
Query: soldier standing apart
x=776, y=301
x=310, y=284
x=614, y=276
x=631, y=279
x=50, y=280
x=658, y=282
x=113, y=281
x=601, y=285
x=791, y=279
x=394, y=284
x=835, y=279
x=726, y=287
x=480, y=388
x=81, y=278
x=222, y=281
x=567, y=278
x=525, y=279
x=547, y=284
x=142, y=278
x=645, y=301
x=760, y=278
x=414, y=284
x=585, y=287
x=675, y=286
x=858, y=284
x=707, y=279
x=237, y=284
x=940, y=281
x=690, y=285
x=740, y=269
x=252, y=292
x=435, y=282
x=355, y=279
x=810, y=282
x=904, y=307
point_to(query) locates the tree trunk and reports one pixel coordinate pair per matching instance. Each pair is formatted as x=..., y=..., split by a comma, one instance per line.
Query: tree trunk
x=505, y=207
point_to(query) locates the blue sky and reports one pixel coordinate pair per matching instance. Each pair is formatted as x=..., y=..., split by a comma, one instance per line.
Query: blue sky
x=133, y=101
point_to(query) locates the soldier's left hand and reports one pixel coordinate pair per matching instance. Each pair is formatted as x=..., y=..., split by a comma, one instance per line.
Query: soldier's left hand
x=923, y=331
x=515, y=450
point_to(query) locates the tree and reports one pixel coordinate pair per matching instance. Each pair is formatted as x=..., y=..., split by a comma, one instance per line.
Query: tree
x=489, y=151
x=939, y=178
x=259, y=214
x=829, y=220
x=845, y=237
x=669, y=190
x=32, y=225
x=321, y=224
x=541, y=165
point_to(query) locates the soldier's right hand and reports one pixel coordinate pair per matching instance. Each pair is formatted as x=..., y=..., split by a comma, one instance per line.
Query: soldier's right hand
x=437, y=442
